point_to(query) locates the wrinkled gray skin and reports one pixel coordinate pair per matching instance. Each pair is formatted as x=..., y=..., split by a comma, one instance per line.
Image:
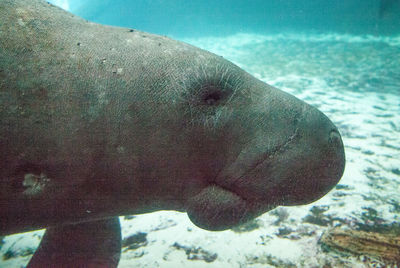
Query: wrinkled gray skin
x=99, y=121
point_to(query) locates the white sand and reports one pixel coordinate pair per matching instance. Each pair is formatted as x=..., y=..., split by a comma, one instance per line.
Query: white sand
x=355, y=81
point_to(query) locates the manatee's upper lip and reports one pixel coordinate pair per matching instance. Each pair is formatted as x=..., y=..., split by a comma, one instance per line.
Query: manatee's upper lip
x=269, y=153
x=280, y=148
x=229, y=182
x=223, y=203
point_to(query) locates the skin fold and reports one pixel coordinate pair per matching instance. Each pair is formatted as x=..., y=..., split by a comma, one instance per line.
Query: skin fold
x=99, y=121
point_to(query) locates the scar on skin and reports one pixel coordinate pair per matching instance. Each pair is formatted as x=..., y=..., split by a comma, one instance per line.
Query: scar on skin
x=35, y=184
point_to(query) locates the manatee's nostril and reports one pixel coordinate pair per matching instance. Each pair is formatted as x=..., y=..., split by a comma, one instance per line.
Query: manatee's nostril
x=334, y=138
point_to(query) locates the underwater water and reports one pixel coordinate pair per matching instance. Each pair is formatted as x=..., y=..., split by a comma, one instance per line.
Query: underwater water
x=351, y=74
x=182, y=18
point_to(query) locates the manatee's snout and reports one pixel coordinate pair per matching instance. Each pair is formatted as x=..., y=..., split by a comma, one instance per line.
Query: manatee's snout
x=318, y=159
x=301, y=166
x=296, y=159
x=295, y=156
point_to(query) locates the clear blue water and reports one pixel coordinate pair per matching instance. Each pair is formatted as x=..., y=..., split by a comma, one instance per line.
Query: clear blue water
x=198, y=18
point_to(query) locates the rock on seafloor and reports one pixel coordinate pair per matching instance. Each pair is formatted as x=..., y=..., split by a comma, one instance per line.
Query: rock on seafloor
x=374, y=245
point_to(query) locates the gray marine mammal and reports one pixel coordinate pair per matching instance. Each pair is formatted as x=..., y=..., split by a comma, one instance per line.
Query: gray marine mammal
x=99, y=121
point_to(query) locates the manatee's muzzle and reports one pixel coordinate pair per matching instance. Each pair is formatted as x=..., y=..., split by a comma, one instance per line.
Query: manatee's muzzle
x=308, y=166
x=300, y=169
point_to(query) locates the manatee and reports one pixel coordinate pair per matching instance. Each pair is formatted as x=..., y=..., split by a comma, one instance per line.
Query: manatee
x=99, y=121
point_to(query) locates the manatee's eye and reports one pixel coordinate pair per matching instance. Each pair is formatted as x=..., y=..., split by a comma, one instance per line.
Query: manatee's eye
x=211, y=90
x=211, y=95
x=212, y=98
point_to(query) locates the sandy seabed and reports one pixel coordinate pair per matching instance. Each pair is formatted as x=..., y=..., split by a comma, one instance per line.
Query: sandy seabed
x=355, y=81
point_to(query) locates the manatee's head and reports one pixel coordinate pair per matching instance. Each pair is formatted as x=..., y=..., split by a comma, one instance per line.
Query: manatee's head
x=261, y=148
x=226, y=147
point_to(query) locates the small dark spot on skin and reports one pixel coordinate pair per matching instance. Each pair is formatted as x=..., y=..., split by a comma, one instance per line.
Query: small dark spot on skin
x=78, y=44
x=34, y=184
x=159, y=44
x=131, y=30
x=334, y=137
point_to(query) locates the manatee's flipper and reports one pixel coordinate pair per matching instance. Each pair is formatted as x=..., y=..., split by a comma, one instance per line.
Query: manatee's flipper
x=83, y=245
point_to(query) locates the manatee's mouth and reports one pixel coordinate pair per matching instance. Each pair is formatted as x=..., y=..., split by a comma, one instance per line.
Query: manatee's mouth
x=299, y=170
x=224, y=204
x=216, y=208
